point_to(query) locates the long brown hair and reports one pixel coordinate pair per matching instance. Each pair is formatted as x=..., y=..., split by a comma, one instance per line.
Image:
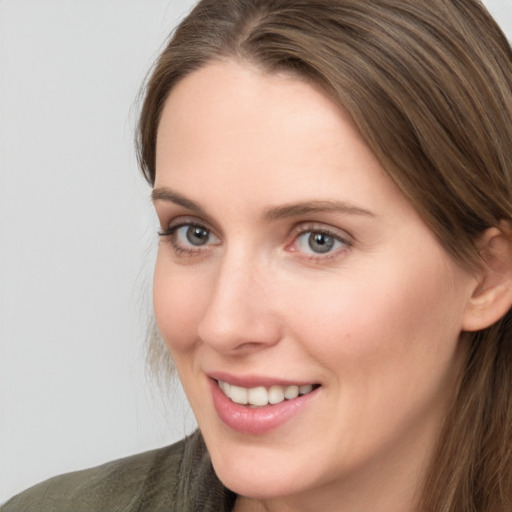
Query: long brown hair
x=428, y=83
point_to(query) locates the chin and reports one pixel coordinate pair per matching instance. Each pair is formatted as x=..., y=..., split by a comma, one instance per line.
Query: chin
x=260, y=483
x=262, y=472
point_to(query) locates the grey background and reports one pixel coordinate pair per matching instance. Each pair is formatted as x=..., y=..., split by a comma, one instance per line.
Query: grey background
x=77, y=235
x=76, y=228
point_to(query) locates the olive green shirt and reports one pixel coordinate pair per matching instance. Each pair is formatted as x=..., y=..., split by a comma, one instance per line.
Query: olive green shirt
x=177, y=478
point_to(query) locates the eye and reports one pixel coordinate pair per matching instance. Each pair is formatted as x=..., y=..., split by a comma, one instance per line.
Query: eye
x=319, y=242
x=195, y=235
x=189, y=237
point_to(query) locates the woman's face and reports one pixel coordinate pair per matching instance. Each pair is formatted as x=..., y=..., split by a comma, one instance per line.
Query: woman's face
x=291, y=263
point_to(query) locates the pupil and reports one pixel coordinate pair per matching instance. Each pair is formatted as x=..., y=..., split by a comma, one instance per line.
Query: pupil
x=320, y=242
x=197, y=235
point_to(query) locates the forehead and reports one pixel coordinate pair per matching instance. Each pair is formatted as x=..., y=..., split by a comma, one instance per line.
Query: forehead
x=230, y=127
x=242, y=99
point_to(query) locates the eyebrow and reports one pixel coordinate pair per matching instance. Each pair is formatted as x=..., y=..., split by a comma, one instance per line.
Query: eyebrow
x=168, y=195
x=272, y=213
x=304, y=208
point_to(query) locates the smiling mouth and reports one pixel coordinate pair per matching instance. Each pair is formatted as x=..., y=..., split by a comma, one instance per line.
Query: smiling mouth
x=261, y=396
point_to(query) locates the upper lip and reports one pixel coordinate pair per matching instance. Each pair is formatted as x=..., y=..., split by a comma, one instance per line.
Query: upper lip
x=253, y=381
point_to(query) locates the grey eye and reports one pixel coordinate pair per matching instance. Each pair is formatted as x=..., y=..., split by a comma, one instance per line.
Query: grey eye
x=197, y=235
x=320, y=242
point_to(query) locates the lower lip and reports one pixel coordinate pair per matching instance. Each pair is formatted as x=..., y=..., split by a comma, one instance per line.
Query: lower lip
x=257, y=420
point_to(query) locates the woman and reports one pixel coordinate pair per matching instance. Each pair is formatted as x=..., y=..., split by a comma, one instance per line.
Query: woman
x=334, y=279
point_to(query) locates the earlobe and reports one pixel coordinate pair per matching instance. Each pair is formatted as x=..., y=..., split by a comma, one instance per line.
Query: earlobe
x=492, y=297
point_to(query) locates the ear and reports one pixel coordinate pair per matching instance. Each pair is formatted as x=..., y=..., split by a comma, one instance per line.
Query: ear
x=492, y=297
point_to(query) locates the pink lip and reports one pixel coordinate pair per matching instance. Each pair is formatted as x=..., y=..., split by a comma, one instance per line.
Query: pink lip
x=255, y=421
x=253, y=381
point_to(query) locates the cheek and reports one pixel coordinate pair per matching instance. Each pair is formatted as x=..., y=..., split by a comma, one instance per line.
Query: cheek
x=379, y=320
x=389, y=346
x=176, y=303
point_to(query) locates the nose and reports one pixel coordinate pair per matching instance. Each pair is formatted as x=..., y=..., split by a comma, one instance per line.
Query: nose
x=240, y=317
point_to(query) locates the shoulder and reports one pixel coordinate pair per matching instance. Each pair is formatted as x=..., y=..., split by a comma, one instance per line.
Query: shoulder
x=147, y=481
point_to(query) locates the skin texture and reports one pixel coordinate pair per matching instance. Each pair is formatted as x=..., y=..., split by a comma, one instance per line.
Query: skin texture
x=376, y=321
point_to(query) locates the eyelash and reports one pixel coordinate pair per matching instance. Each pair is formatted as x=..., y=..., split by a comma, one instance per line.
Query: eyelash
x=171, y=234
x=304, y=229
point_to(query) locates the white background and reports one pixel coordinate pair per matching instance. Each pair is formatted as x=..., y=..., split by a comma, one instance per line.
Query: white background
x=76, y=236
x=76, y=229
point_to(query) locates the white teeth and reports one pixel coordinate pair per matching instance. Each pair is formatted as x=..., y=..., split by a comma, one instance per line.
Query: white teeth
x=275, y=394
x=304, y=390
x=238, y=394
x=291, y=392
x=261, y=396
x=225, y=387
x=257, y=396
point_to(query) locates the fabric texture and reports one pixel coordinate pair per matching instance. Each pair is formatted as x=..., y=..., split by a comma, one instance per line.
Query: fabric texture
x=177, y=478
